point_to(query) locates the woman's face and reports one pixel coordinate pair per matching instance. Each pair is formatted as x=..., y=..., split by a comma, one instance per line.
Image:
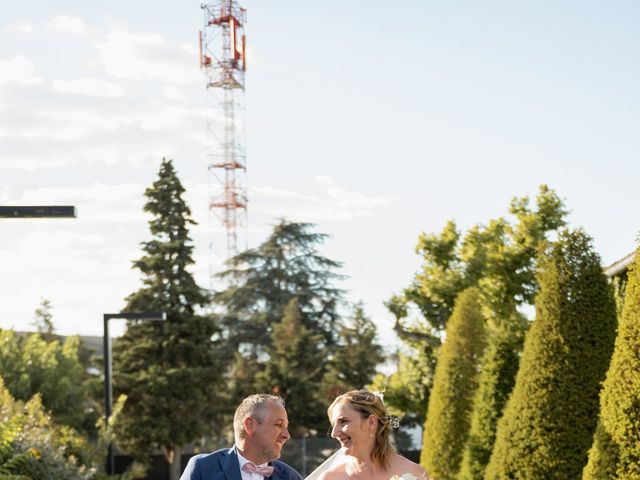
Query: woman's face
x=350, y=429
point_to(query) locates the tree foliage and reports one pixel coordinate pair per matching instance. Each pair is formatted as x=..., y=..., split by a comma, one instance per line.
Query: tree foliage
x=295, y=368
x=454, y=384
x=358, y=353
x=548, y=422
x=171, y=371
x=499, y=258
x=31, y=365
x=263, y=280
x=33, y=447
x=407, y=388
x=615, y=454
x=43, y=319
x=260, y=284
x=497, y=376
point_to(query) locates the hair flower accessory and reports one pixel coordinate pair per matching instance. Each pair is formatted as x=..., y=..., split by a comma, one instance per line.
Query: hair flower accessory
x=392, y=420
x=378, y=395
x=395, y=422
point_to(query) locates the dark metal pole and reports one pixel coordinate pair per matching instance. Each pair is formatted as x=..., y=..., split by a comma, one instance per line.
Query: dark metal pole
x=108, y=390
x=108, y=394
x=43, y=211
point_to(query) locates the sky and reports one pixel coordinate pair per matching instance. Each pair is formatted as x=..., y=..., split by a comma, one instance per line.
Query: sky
x=373, y=120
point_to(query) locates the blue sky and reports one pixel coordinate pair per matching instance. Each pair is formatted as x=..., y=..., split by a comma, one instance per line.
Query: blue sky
x=375, y=120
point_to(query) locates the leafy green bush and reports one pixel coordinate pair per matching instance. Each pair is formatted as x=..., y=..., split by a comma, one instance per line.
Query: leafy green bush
x=33, y=447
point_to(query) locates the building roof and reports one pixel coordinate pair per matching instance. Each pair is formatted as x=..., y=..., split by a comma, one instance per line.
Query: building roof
x=620, y=266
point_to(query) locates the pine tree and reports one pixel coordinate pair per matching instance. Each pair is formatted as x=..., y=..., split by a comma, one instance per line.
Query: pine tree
x=615, y=454
x=171, y=370
x=548, y=423
x=454, y=385
x=357, y=355
x=294, y=370
x=495, y=381
x=264, y=279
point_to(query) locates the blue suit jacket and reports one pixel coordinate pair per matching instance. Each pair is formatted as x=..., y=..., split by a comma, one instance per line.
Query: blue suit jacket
x=223, y=465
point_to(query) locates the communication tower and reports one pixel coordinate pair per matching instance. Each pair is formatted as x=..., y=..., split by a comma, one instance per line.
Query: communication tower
x=223, y=61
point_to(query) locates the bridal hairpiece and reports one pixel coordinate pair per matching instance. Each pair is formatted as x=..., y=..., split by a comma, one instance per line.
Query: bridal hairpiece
x=378, y=395
x=392, y=420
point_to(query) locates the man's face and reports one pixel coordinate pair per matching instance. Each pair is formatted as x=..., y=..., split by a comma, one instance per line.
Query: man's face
x=270, y=435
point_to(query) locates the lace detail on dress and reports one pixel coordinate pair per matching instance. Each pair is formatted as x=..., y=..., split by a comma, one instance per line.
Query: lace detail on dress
x=411, y=476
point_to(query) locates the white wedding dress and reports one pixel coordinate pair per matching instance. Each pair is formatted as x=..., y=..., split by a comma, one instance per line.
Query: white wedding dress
x=337, y=456
x=326, y=465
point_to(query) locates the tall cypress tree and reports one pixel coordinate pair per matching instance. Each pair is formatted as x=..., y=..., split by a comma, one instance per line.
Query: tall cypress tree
x=496, y=379
x=454, y=385
x=170, y=371
x=615, y=454
x=548, y=423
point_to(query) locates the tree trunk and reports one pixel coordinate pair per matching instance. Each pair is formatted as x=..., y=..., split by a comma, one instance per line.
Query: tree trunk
x=173, y=455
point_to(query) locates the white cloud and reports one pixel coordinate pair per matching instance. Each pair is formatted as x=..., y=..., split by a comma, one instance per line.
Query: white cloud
x=171, y=92
x=334, y=203
x=19, y=70
x=352, y=199
x=146, y=56
x=90, y=87
x=22, y=27
x=67, y=24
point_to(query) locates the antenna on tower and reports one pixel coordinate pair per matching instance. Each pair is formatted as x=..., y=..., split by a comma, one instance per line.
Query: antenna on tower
x=223, y=61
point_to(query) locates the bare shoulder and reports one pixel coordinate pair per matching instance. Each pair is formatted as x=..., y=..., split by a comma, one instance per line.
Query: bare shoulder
x=401, y=466
x=335, y=473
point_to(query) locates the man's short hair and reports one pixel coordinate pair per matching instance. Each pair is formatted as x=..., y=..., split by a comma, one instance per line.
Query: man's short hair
x=253, y=406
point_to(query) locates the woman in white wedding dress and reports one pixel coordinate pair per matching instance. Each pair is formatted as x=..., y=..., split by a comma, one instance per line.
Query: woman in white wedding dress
x=362, y=425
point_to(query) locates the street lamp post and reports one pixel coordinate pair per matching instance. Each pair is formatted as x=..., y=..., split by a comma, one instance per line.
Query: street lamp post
x=108, y=391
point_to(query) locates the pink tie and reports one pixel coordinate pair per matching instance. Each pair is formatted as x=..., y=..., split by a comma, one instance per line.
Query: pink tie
x=264, y=470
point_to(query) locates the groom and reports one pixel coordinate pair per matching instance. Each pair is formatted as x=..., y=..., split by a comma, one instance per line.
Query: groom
x=260, y=428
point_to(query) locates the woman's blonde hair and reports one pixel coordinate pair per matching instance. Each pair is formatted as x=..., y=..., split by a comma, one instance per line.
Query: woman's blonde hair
x=367, y=404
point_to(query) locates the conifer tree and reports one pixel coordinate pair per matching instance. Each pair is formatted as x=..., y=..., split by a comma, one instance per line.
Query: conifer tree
x=454, y=385
x=170, y=371
x=356, y=357
x=548, y=423
x=497, y=376
x=615, y=454
x=294, y=370
x=262, y=281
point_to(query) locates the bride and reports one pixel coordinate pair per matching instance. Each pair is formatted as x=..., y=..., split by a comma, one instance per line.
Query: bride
x=362, y=425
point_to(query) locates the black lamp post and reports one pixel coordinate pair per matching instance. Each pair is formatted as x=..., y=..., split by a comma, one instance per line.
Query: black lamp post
x=108, y=392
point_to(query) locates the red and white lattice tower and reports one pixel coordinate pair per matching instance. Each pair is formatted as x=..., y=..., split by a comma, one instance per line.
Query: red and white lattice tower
x=223, y=60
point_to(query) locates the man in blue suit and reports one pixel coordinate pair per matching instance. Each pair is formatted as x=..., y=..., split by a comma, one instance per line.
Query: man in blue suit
x=260, y=427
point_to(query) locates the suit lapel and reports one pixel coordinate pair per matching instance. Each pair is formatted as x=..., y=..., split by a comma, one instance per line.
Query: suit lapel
x=278, y=473
x=230, y=465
